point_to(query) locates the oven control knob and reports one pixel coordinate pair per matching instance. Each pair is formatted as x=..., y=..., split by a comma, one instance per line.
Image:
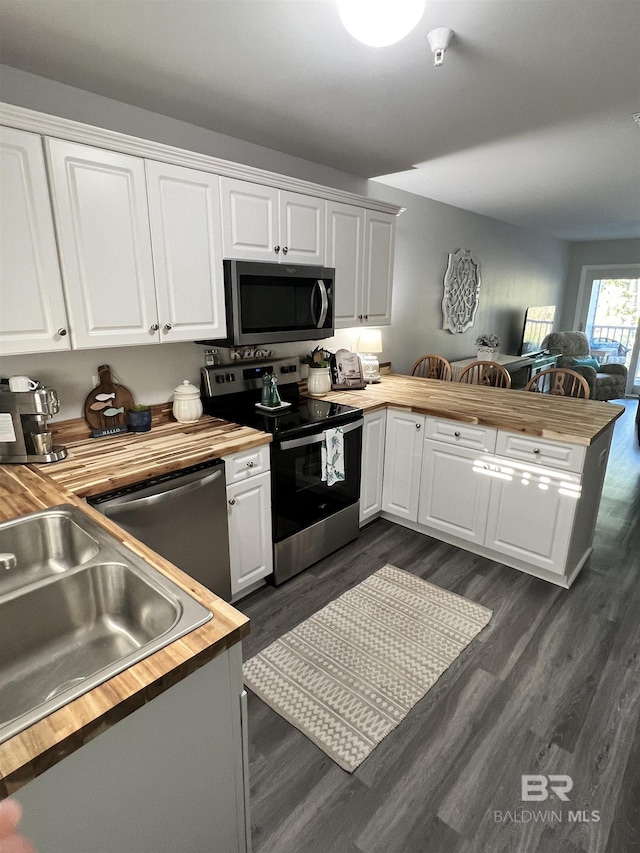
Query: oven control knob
x=231, y=377
x=220, y=378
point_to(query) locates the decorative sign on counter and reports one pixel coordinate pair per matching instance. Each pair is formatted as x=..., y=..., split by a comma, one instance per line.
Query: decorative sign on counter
x=106, y=407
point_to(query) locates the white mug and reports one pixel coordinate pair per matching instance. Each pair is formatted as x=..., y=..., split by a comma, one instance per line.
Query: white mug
x=22, y=383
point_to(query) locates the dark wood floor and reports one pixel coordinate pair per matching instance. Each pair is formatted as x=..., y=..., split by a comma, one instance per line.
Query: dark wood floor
x=552, y=686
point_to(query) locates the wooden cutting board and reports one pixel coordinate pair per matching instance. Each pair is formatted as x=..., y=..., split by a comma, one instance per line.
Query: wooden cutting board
x=106, y=407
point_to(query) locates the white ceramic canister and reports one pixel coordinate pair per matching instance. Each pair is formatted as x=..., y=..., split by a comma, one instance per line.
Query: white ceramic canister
x=187, y=405
x=319, y=381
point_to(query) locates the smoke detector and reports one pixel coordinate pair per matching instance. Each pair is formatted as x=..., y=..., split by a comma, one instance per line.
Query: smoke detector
x=439, y=40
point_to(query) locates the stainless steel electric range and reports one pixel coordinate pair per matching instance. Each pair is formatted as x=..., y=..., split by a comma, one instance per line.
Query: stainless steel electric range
x=310, y=518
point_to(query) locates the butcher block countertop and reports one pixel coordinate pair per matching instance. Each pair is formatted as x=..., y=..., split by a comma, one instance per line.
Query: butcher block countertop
x=557, y=418
x=93, y=466
x=99, y=465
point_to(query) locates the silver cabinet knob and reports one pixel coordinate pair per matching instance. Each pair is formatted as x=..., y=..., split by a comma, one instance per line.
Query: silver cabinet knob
x=285, y=249
x=418, y=426
x=62, y=332
x=536, y=450
x=232, y=502
x=276, y=249
x=250, y=464
x=457, y=434
x=167, y=327
x=155, y=327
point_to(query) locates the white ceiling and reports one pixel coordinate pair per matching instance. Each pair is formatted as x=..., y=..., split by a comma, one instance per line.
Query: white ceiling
x=528, y=120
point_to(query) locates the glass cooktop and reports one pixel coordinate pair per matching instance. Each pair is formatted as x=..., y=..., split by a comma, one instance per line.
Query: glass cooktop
x=302, y=416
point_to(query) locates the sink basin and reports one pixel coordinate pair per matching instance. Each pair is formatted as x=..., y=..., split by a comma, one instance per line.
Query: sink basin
x=76, y=614
x=47, y=544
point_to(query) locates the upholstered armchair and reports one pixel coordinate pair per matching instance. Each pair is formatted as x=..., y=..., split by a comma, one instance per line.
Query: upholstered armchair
x=606, y=382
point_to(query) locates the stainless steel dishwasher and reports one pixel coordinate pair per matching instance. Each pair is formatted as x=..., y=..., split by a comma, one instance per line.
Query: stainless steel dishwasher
x=182, y=516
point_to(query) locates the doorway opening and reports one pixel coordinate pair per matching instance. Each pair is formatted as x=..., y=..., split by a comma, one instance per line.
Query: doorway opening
x=611, y=321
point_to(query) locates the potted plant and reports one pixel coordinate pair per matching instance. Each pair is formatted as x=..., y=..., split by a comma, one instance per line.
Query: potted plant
x=319, y=381
x=139, y=418
x=487, y=346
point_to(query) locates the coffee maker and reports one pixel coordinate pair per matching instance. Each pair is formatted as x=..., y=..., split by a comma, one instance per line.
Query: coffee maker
x=24, y=433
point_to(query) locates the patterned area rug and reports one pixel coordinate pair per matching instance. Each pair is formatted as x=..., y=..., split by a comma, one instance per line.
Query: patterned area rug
x=349, y=674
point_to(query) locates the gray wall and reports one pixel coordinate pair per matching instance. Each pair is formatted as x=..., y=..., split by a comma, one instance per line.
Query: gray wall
x=518, y=267
x=593, y=253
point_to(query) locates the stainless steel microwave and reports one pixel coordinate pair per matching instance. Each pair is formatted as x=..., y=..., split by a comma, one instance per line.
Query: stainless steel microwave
x=272, y=303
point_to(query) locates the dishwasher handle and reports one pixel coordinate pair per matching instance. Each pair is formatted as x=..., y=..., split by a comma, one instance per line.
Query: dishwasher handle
x=166, y=494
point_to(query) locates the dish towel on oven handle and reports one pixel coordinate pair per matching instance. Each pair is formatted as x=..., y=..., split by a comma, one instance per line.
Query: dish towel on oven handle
x=332, y=456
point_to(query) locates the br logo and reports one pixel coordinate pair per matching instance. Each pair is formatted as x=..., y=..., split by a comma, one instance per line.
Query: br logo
x=537, y=787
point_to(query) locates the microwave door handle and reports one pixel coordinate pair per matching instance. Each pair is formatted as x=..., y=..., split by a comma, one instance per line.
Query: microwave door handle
x=324, y=306
x=316, y=438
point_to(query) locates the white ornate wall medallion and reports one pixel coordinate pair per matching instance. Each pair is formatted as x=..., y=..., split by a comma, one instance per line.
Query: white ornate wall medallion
x=461, y=286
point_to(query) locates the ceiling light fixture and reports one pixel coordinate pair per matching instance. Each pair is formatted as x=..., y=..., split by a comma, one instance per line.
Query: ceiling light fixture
x=439, y=40
x=379, y=23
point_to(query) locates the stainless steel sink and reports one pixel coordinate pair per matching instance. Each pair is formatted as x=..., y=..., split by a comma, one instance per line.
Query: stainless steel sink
x=79, y=608
x=43, y=545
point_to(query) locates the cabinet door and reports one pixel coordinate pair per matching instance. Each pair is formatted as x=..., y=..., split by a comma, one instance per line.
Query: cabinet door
x=250, y=227
x=402, y=458
x=453, y=497
x=345, y=252
x=531, y=514
x=250, y=541
x=302, y=229
x=100, y=205
x=378, y=267
x=184, y=210
x=32, y=311
x=373, y=435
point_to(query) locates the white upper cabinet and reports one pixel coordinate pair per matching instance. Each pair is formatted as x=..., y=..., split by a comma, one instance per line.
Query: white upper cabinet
x=250, y=226
x=100, y=206
x=302, y=228
x=379, y=244
x=360, y=245
x=345, y=253
x=267, y=224
x=184, y=210
x=32, y=310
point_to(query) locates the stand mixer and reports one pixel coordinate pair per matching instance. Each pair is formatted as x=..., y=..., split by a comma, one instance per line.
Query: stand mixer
x=24, y=433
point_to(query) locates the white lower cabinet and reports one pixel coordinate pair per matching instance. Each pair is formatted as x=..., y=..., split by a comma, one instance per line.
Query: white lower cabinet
x=249, y=519
x=531, y=514
x=402, y=460
x=453, y=497
x=373, y=436
x=533, y=507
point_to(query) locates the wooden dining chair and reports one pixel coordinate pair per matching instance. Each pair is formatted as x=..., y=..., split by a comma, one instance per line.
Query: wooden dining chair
x=561, y=381
x=486, y=373
x=431, y=367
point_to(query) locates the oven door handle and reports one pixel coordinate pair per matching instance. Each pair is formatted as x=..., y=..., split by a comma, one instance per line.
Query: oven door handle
x=316, y=438
x=324, y=302
x=167, y=493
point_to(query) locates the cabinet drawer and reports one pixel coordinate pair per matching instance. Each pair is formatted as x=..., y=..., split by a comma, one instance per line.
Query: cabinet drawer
x=463, y=435
x=541, y=451
x=247, y=463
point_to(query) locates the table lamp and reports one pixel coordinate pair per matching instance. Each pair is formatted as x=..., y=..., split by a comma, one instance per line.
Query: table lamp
x=369, y=344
